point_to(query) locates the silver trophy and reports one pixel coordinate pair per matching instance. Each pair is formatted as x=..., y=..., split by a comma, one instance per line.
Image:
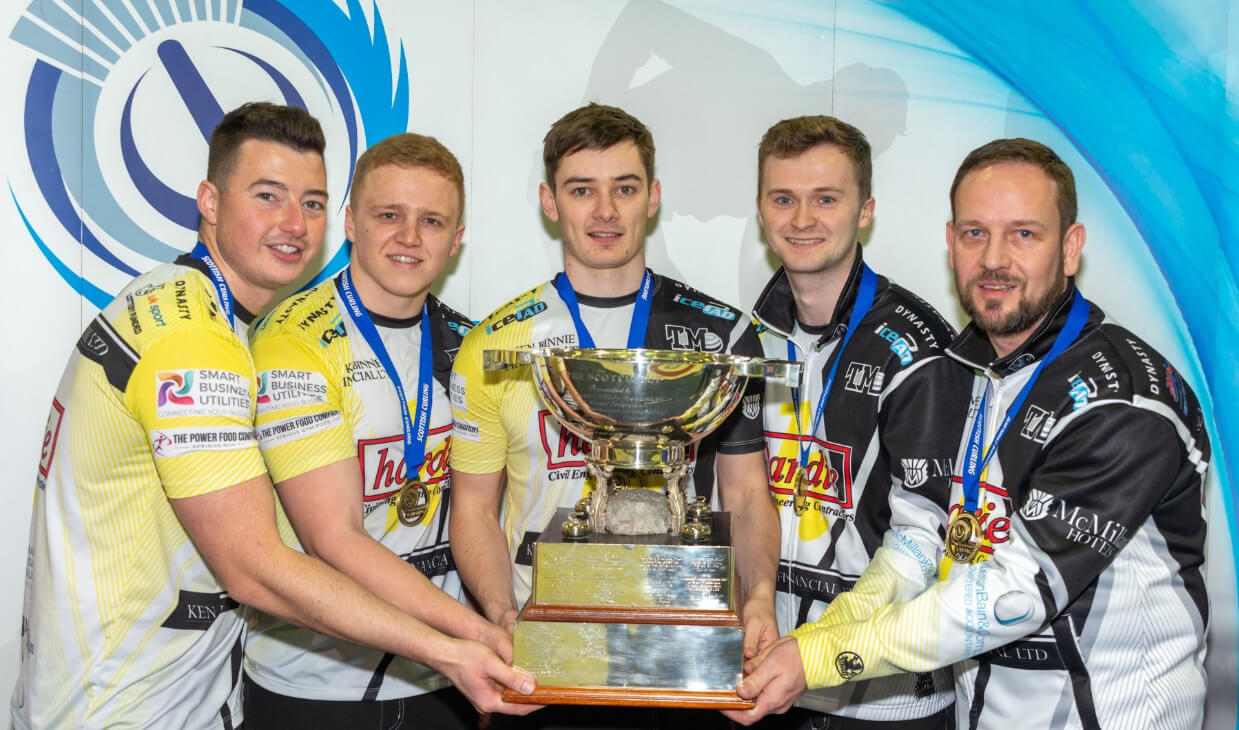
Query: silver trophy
x=609, y=597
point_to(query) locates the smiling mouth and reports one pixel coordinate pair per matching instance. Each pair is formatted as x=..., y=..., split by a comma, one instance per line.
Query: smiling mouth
x=286, y=248
x=605, y=236
x=799, y=241
x=401, y=259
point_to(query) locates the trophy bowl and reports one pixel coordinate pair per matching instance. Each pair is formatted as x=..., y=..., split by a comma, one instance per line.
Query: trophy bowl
x=640, y=409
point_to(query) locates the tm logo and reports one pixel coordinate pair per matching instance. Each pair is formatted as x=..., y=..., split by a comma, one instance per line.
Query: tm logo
x=123, y=95
x=174, y=387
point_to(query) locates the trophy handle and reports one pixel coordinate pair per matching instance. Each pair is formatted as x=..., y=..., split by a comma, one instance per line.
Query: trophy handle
x=785, y=372
x=504, y=359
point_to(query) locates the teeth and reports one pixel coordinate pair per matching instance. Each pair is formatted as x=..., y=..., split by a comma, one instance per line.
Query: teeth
x=405, y=259
x=803, y=241
x=285, y=248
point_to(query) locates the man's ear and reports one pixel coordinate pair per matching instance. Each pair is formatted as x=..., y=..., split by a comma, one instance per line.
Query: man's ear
x=208, y=201
x=547, y=197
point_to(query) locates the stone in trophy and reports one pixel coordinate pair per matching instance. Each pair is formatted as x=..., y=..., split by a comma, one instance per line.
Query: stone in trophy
x=634, y=592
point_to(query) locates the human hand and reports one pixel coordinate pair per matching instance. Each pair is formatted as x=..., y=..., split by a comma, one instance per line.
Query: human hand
x=760, y=627
x=481, y=676
x=497, y=638
x=774, y=679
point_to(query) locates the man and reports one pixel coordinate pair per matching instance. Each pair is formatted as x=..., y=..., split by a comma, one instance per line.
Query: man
x=354, y=496
x=600, y=189
x=153, y=512
x=873, y=353
x=1072, y=594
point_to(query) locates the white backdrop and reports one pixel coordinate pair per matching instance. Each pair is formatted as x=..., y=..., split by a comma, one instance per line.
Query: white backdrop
x=487, y=78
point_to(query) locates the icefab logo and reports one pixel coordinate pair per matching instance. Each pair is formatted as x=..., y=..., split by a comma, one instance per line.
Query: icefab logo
x=122, y=98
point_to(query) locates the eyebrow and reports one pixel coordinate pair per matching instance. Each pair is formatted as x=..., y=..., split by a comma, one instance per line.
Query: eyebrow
x=789, y=191
x=379, y=207
x=626, y=177
x=277, y=184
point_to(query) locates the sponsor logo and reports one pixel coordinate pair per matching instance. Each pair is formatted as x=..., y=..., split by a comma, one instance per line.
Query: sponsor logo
x=1081, y=392
x=827, y=478
x=460, y=328
x=51, y=436
x=290, y=388
x=568, y=340
x=126, y=68
x=523, y=312
x=1108, y=374
x=1154, y=378
x=751, y=406
x=383, y=467
x=333, y=332
x=291, y=429
x=156, y=312
x=714, y=310
x=693, y=338
x=864, y=378
x=1083, y=527
x=328, y=308
x=914, y=318
x=95, y=343
x=365, y=369
x=902, y=345
x=201, y=393
x=1022, y=361
x=849, y=665
x=467, y=430
x=1038, y=423
x=565, y=451
x=916, y=472
x=457, y=386
x=168, y=442
x=1175, y=387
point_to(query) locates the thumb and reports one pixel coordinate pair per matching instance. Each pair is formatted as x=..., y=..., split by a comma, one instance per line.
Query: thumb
x=513, y=678
x=753, y=684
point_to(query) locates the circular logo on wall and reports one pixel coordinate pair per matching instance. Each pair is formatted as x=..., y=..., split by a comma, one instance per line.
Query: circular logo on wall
x=123, y=96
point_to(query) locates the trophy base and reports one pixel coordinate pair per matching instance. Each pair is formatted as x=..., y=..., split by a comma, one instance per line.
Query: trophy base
x=629, y=697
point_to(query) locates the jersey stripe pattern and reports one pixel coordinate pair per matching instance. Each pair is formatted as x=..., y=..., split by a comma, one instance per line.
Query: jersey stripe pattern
x=500, y=420
x=123, y=623
x=884, y=428
x=323, y=398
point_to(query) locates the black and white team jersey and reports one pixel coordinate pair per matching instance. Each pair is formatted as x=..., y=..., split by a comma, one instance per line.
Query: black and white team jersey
x=1086, y=605
x=891, y=421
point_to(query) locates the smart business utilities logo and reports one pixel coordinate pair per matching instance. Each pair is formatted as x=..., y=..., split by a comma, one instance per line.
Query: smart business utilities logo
x=174, y=387
x=123, y=96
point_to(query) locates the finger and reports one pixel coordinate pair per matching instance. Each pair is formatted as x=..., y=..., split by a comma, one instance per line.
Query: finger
x=516, y=708
x=752, y=685
x=513, y=678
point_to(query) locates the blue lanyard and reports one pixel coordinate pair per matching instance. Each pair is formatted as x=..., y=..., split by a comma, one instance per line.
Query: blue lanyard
x=974, y=463
x=864, y=301
x=217, y=277
x=414, y=438
x=640, y=311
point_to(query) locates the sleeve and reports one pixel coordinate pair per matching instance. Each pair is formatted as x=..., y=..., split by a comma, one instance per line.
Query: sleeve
x=479, y=445
x=742, y=432
x=1100, y=479
x=300, y=409
x=193, y=393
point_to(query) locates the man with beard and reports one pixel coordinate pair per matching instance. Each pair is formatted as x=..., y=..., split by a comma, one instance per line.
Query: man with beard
x=1072, y=594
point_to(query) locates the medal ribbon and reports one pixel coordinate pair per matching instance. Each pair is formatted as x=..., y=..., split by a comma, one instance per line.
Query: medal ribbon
x=414, y=436
x=975, y=463
x=640, y=311
x=864, y=302
x=217, y=277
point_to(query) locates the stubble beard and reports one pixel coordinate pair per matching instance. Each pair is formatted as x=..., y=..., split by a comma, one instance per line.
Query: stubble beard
x=1027, y=313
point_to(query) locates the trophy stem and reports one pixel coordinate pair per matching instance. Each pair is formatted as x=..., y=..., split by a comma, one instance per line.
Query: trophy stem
x=673, y=475
x=603, y=473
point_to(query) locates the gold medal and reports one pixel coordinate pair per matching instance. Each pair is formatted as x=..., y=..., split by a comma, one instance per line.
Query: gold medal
x=963, y=537
x=412, y=503
x=800, y=495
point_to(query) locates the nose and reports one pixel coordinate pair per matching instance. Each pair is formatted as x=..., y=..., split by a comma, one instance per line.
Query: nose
x=294, y=219
x=605, y=208
x=996, y=254
x=803, y=217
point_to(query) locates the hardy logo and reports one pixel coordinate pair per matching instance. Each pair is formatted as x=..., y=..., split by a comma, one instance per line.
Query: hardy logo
x=751, y=405
x=123, y=69
x=1037, y=506
x=714, y=310
x=864, y=378
x=1037, y=424
x=383, y=465
x=699, y=338
x=849, y=665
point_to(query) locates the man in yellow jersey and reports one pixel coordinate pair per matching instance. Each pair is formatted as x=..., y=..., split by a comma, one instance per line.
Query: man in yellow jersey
x=1071, y=593
x=342, y=369
x=153, y=511
x=600, y=188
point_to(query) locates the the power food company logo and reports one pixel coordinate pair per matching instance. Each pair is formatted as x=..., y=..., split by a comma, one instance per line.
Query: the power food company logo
x=123, y=96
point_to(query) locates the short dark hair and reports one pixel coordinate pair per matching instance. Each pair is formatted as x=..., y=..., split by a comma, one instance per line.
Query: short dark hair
x=1019, y=149
x=595, y=127
x=410, y=150
x=794, y=137
x=287, y=125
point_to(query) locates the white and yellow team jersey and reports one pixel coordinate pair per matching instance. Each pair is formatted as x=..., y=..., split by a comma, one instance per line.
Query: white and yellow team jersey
x=324, y=397
x=500, y=421
x=124, y=625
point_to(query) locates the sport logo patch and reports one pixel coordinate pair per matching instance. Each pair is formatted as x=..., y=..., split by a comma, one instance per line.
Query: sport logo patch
x=693, y=338
x=1038, y=423
x=751, y=405
x=1037, y=506
x=51, y=435
x=166, y=442
x=849, y=665
x=1081, y=392
x=916, y=472
x=864, y=378
x=290, y=388
x=202, y=393
x=457, y=387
